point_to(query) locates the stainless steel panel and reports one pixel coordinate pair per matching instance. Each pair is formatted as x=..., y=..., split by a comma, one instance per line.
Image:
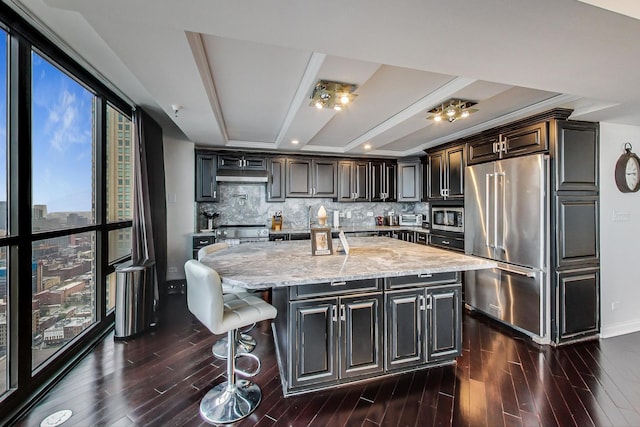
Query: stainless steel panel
x=511, y=294
x=520, y=210
x=477, y=214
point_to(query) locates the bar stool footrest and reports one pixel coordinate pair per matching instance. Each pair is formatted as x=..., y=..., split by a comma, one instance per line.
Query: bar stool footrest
x=252, y=373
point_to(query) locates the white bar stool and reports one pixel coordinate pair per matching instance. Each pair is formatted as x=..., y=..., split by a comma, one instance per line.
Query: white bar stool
x=245, y=342
x=234, y=399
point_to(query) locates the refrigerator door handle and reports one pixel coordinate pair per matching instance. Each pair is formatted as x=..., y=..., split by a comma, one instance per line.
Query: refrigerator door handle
x=487, y=202
x=515, y=270
x=500, y=213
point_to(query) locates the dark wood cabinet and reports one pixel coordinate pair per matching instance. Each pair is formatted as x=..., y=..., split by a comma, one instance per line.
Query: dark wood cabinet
x=446, y=173
x=206, y=185
x=353, y=181
x=241, y=162
x=405, y=329
x=576, y=156
x=423, y=324
x=409, y=180
x=307, y=177
x=314, y=341
x=444, y=308
x=338, y=332
x=518, y=141
x=577, y=230
x=383, y=181
x=276, y=169
x=361, y=335
x=336, y=338
x=578, y=308
x=483, y=149
x=200, y=242
x=526, y=140
x=446, y=242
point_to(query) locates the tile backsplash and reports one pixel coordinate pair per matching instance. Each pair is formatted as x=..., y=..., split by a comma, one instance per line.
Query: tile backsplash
x=246, y=204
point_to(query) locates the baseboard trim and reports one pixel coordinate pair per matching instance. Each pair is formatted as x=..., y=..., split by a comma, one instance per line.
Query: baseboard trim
x=621, y=328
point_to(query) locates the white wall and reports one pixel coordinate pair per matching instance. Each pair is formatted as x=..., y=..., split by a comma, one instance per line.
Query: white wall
x=619, y=241
x=179, y=180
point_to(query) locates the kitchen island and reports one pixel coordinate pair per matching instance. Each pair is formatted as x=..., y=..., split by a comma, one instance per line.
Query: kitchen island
x=387, y=307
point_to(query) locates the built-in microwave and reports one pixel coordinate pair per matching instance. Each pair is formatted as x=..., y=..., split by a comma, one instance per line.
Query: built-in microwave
x=447, y=218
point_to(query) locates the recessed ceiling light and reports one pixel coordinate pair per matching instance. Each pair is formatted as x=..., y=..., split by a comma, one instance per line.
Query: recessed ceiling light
x=295, y=141
x=367, y=146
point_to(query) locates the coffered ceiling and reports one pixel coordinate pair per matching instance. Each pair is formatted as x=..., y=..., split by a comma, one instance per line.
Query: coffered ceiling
x=243, y=71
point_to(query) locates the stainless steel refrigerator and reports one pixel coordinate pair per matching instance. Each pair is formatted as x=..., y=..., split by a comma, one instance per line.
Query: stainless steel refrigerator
x=506, y=221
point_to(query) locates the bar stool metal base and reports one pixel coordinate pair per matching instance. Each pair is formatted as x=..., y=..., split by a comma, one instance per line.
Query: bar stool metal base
x=246, y=344
x=224, y=404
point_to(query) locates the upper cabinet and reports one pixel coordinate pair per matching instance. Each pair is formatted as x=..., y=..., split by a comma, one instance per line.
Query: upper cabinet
x=409, y=180
x=276, y=179
x=446, y=173
x=353, y=181
x=383, y=181
x=509, y=143
x=576, y=154
x=242, y=162
x=311, y=177
x=206, y=185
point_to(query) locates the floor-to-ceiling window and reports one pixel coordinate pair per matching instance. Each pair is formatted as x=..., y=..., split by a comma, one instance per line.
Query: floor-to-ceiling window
x=63, y=146
x=66, y=208
x=4, y=300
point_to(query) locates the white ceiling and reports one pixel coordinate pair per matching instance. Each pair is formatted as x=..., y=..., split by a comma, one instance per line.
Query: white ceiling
x=243, y=70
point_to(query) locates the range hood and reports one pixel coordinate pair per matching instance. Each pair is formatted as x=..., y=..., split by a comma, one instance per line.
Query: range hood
x=230, y=175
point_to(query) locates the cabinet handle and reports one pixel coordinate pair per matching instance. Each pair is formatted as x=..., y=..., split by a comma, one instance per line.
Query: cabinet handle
x=268, y=194
x=421, y=302
x=429, y=301
x=215, y=194
x=343, y=315
x=425, y=275
x=334, y=313
x=445, y=242
x=338, y=283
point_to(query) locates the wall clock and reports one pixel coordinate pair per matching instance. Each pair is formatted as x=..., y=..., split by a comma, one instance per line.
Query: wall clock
x=627, y=170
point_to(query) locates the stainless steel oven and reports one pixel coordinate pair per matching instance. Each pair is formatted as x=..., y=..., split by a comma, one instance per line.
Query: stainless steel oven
x=447, y=218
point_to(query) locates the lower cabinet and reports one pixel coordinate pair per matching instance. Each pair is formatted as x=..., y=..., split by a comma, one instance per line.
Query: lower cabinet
x=578, y=302
x=328, y=334
x=336, y=338
x=423, y=325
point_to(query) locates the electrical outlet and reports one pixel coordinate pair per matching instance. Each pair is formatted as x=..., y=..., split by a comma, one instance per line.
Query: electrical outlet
x=615, y=305
x=349, y=214
x=173, y=269
x=621, y=216
x=369, y=213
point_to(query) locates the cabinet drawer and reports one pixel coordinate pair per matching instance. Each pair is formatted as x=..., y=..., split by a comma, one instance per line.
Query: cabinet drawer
x=334, y=288
x=446, y=242
x=413, y=281
x=202, y=241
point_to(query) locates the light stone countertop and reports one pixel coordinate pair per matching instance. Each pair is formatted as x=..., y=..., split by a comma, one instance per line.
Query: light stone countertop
x=289, y=263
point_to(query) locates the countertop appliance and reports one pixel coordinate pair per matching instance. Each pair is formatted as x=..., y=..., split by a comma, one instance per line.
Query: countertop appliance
x=411, y=219
x=242, y=233
x=505, y=205
x=447, y=218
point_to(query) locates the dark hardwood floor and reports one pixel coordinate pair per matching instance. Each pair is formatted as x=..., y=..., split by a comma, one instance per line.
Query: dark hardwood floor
x=500, y=380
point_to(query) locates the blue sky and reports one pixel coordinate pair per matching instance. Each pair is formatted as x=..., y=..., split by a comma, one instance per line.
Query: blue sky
x=62, y=122
x=62, y=119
